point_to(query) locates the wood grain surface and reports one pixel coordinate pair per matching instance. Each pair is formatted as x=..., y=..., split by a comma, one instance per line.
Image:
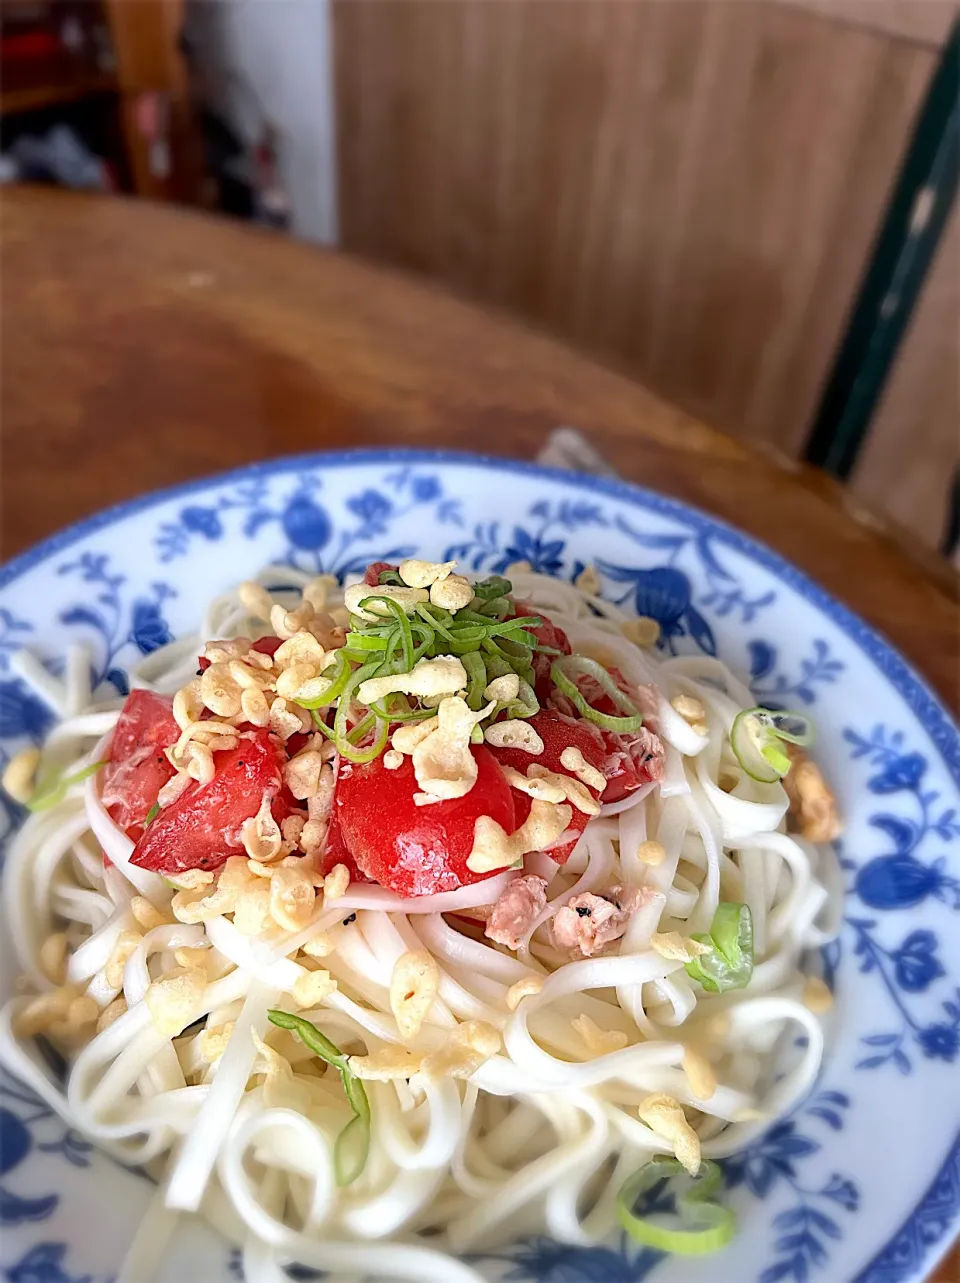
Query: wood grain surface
x=143, y=346
x=688, y=189
x=914, y=441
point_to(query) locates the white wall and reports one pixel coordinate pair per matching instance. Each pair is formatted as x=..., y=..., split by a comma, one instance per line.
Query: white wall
x=277, y=54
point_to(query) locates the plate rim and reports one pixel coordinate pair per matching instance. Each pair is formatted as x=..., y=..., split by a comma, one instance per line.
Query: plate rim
x=925, y=703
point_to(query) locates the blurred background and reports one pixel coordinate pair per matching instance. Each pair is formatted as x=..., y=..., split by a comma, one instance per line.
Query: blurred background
x=745, y=204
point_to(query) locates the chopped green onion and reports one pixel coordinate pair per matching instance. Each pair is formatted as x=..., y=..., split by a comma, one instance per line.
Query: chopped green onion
x=55, y=789
x=349, y=749
x=705, y=1226
x=526, y=703
x=152, y=815
x=514, y=649
x=563, y=671
x=391, y=577
x=388, y=709
x=491, y=588
x=498, y=608
x=320, y=724
x=496, y=665
x=366, y=641
x=342, y=733
x=402, y=623
x=435, y=625
x=467, y=616
x=355, y=655
x=517, y=629
x=477, y=679
x=336, y=684
x=352, y=1146
x=466, y=640
x=756, y=736
x=729, y=965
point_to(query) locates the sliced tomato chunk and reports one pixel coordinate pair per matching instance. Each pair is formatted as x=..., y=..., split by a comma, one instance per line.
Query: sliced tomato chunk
x=549, y=634
x=335, y=852
x=557, y=732
x=268, y=645
x=201, y=829
x=632, y=758
x=138, y=768
x=372, y=574
x=417, y=850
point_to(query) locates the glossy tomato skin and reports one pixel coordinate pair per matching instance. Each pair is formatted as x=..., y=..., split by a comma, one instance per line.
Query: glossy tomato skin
x=335, y=852
x=417, y=850
x=201, y=829
x=138, y=768
x=549, y=634
x=557, y=732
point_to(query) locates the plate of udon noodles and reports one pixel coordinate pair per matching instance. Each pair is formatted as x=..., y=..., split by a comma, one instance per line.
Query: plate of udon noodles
x=427, y=867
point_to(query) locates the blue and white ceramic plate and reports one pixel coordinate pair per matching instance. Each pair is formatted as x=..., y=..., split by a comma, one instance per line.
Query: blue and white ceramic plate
x=863, y=1181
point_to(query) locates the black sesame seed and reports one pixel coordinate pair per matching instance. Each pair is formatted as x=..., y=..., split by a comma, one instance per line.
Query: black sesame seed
x=199, y=672
x=583, y=911
x=352, y=918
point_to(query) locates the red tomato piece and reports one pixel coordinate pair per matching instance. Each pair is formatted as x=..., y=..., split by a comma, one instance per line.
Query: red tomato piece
x=267, y=645
x=138, y=767
x=557, y=732
x=547, y=634
x=335, y=852
x=417, y=850
x=201, y=829
x=372, y=575
x=632, y=758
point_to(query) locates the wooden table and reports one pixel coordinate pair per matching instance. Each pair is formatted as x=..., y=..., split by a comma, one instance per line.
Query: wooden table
x=144, y=345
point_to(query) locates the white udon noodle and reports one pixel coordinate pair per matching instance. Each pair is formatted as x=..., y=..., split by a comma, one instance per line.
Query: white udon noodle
x=540, y=1139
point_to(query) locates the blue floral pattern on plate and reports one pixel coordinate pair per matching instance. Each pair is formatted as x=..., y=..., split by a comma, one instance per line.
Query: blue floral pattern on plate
x=902, y=878
x=24, y=1118
x=311, y=540
x=813, y=1209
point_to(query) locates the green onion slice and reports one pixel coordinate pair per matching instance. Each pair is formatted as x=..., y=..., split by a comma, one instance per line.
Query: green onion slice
x=346, y=737
x=396, y=708
x=433, y=621
x=477, y=679
x=526, y=703
x=703, y=1225
x=349, y=749
x=55, y=789
x=402, y=623
x=496, y=608
x=757, y=736
x=729, y=965
x=336, y=683
x=372, y=640
x=565, y=670
x=496, y=665
x=152, y=815
x=391, y=577
x=491, y=588
x=353, y=1144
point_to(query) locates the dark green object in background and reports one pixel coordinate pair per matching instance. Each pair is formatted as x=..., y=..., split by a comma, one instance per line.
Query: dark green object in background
x=918, y=209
